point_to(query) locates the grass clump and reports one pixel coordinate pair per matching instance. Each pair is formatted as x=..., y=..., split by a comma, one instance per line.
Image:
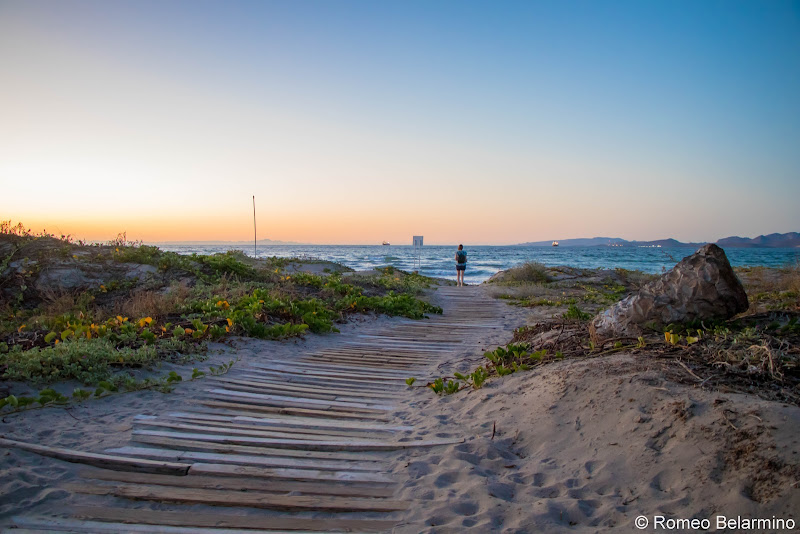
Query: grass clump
x=573, y=312
x=529, y=272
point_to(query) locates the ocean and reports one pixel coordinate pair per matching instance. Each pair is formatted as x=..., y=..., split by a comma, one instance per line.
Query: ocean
x=484, y=261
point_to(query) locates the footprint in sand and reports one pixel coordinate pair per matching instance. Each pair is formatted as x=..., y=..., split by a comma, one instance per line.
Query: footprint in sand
x=473, y=459
x=466, y=508
x=416, y=470
x=504, y=492
x=593, y=466
x=540, y=479
x=447, y=479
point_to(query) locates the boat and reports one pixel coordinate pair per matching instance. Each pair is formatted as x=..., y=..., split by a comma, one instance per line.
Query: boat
x=385, y=243
x=555, y=243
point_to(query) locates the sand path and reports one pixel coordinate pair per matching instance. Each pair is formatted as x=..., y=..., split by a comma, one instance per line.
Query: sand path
x=311, y=439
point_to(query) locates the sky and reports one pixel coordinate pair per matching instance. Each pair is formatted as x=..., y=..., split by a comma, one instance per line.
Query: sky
x=355, y=122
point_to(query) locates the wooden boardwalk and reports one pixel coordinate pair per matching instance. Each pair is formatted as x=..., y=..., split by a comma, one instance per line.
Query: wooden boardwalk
x=276, y=446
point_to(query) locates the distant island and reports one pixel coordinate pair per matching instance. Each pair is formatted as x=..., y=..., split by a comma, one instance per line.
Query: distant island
x=789, y=240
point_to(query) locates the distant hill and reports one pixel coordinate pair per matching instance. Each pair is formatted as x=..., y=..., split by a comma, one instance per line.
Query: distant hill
x=790, y=240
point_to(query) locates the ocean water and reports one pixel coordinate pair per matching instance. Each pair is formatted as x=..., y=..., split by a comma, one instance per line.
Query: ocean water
x=484, y=261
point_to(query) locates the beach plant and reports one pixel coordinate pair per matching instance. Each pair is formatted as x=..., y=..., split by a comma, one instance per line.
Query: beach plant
x=528, y=272
x=573, y=312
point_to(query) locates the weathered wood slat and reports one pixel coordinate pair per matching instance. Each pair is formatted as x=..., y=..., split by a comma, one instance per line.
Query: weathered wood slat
x=372, y=359
x=348, y=477
x=314, y=445
x=240, y=498
x=122, y=463
x=241, y=429
x=282, y=390
x=198, y=519
x=324, y=381
x=243, y=459
x=188, y=444
x=78, y=526
x=248, y=428
x=383, y=360
x=294, y=421
x=375, y=377
x=282, y=385
x=285, y=400
x=245, y=484
x=261, y=409
x=322, y=367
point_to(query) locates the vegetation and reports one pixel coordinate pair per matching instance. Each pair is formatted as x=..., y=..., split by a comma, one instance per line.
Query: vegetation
x=502, y=361
x=133, y=306
x=529, y=272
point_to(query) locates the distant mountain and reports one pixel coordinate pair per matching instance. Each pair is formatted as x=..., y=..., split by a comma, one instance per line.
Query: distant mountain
x=790, y=240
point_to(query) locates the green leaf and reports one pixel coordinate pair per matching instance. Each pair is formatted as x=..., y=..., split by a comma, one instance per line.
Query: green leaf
x=49, y=338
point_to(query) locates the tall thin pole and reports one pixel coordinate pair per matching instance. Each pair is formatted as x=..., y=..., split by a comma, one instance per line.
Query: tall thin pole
x=255, y=238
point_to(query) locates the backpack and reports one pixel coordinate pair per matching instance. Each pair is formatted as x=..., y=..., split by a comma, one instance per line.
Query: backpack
x=461, y=256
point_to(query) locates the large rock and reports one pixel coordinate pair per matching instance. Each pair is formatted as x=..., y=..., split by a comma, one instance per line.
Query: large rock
x=702, y=286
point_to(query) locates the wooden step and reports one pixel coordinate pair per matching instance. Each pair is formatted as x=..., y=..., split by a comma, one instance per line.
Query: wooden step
x=193, y=518
x=230, y=498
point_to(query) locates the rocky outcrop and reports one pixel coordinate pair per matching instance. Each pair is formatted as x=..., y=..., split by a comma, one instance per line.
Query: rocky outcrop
x=702, y=286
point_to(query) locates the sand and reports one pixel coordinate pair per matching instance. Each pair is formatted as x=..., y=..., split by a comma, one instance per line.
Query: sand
x=574, y=446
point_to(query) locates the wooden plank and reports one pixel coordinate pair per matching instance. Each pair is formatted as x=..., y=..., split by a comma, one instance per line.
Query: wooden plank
x=59, y=524
x=295, y=421
x=121, y=463
x=242, y=429
x=239, y=498
x=277, y=471
x=295, y=391
x=310, y=371
x=243, y=459
x=386, y=360
x=345, y=477
x=255, y=408
x=198, y=519
x=187, y=444
x=325, y=381
x=400, y=367
x=259, y=427
x=284, y=400
x=311, y=389
x=309, y=444
x=320, y=382
x=371, y=359
x=382, y=489
x=333, y=367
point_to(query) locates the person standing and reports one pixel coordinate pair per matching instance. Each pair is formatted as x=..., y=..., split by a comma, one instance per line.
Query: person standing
x=461, y=264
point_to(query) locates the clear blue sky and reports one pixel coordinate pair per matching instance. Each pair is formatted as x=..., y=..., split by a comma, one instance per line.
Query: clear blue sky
x=353, y=122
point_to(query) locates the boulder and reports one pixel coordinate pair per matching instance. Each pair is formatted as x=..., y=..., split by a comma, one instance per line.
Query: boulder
x=702, y=286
